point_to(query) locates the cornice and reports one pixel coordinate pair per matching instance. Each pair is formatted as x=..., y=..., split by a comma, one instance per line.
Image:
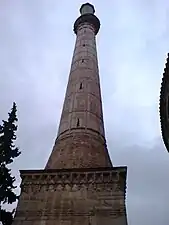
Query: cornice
x=101, y=179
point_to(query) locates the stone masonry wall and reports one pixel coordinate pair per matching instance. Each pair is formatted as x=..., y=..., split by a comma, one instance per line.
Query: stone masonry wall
x=73, y=198
x=79, y=150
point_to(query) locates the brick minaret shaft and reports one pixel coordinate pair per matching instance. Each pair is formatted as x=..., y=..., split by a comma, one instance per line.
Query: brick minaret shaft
x=79, y=184
x=81, y=140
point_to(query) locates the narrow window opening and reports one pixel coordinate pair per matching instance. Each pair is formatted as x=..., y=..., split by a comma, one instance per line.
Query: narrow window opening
x=168, y=106
x=81, y=86
x=82, y=60
x=83, y=45
x=78, y=122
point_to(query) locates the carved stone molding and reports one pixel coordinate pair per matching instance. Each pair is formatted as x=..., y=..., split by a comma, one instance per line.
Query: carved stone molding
x=55, y=180
x=75, y=176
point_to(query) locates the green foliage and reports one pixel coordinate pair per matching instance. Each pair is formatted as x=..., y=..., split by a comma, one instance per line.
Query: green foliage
x=8, y=152
x=6, y=217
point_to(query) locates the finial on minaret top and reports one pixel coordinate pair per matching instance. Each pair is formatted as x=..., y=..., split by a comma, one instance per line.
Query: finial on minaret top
x=87, y=8
x=87, y=16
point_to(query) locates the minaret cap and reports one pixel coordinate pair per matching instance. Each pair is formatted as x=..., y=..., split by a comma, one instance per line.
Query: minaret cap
x=87, y=8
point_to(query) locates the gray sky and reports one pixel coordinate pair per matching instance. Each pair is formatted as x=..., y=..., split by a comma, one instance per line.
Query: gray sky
x=36, y=46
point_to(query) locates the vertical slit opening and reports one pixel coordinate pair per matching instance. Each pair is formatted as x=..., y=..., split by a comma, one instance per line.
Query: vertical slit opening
x=82, y=60
x=78, y=122
x=81, y=86
x=168, y=106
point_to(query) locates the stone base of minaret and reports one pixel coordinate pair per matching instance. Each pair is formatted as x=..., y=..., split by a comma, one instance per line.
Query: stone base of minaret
x=72, y=197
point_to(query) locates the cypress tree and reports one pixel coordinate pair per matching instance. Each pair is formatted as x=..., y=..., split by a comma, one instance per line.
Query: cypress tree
x=8, y=151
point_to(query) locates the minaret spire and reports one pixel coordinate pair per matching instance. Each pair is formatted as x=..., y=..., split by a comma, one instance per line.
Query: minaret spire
x=80, y=142
x=79, y=185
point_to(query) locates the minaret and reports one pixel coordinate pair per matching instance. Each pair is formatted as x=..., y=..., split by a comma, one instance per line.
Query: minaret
x=79, y=185
x=81, y=139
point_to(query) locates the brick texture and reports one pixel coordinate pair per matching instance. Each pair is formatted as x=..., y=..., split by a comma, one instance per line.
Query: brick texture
x=80, y=150
x=81, y=138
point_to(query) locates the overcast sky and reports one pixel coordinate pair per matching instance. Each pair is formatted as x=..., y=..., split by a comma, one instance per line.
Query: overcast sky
x=36, y=46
